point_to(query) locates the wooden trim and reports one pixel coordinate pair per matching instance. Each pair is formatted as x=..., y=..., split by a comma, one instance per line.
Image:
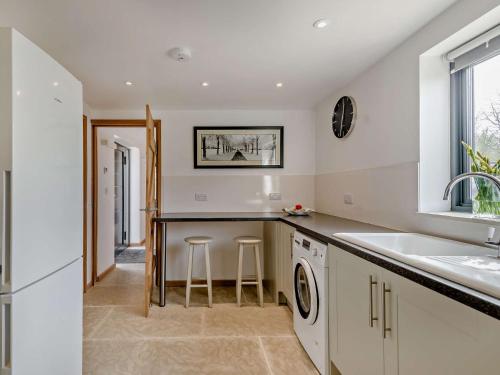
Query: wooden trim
x=117, y=123
x=95, y=202
x=84, y=232
x=89, y=286
x=124, y=122
x=106, y=272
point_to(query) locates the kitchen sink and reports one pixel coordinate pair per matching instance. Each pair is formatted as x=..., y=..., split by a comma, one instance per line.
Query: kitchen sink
x=412, y=244
x=473, y=266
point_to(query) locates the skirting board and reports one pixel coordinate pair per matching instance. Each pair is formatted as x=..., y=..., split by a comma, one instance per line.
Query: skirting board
x=106, y=272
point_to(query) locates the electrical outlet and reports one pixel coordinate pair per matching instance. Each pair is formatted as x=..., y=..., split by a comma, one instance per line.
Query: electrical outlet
x=348, y=198
x=274, y=196
x=200, y=197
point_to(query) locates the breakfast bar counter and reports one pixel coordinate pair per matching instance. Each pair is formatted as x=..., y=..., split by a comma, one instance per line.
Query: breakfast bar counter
x=317, y=225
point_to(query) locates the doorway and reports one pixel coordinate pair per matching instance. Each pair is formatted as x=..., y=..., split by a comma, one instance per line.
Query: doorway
x=122, y=199
x=125, y=214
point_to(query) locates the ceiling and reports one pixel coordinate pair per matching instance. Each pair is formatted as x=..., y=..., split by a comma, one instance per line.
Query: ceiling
x=243, y=48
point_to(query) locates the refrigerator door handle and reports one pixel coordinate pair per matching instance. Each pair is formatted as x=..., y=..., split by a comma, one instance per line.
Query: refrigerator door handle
x=6, y=230
x=5, y=340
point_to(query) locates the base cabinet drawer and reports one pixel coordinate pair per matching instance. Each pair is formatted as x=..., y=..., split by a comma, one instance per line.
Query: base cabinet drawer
x=382, y=323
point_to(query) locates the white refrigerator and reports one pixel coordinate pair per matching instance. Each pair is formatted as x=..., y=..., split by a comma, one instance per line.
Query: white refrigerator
x=41, y=212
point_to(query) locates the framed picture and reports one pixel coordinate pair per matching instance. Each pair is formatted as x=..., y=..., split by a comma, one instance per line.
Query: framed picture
x=238, y=147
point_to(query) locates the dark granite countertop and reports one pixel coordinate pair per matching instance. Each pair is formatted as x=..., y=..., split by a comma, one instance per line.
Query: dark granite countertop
x=322, y=227
x=217, y=216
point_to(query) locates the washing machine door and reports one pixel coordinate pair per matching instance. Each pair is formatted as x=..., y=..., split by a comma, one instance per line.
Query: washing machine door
x=306, y=291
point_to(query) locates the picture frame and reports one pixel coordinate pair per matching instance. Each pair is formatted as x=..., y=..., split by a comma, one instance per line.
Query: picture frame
x=238, y=146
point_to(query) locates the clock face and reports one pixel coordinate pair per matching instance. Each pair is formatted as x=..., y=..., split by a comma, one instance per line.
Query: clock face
x=343, y=117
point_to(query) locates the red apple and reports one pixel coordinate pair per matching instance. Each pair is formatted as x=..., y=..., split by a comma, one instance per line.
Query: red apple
x=298, y=206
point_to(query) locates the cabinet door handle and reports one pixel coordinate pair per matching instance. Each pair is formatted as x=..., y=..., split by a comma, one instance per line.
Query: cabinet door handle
x=371, y=316
x=385, y=328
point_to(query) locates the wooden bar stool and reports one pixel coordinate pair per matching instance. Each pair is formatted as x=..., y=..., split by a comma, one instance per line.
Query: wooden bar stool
x=255, y=241
x=200, y=241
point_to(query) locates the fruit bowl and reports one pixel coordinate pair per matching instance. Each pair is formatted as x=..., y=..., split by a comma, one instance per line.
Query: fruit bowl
x=298, y=210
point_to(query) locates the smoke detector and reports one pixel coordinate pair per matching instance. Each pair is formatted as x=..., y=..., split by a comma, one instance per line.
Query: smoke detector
x=180, y=54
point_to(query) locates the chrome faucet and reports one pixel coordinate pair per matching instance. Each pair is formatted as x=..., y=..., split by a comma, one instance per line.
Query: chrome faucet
x=463, y=176
x=492, y=244
x=496, y=182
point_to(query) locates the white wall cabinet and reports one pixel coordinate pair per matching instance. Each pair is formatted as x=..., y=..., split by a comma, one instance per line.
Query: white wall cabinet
x=426, y=332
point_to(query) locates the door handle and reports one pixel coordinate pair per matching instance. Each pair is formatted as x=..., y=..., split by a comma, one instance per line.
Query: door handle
x=6, y=229
x=5, y=340
x=371, y=316
x=385, y=328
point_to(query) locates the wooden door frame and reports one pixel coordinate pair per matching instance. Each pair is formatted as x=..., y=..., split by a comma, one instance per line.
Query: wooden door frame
x=115, y=123
x=85, y=233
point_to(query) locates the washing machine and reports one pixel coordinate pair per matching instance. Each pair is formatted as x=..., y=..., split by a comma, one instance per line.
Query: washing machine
x=310, y=302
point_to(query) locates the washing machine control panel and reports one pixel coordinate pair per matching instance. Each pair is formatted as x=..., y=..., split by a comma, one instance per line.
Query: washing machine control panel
x=316, y=251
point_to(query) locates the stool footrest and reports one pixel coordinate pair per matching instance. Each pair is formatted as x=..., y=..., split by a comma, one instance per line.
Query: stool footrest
x=249, y=283
x=199, y=286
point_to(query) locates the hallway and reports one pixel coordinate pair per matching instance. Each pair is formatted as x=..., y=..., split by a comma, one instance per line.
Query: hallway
x=224, y=339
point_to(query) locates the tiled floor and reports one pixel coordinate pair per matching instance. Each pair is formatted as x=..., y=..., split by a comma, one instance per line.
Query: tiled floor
x=224, y=339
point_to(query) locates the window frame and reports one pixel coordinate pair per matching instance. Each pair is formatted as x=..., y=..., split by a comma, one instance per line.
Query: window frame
x=462, y=123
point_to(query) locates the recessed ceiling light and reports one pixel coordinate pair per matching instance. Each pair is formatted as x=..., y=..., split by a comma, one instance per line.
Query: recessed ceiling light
x=321, y=23
x=55, y=83
x=279, y=84
x=128, y=83
x=205, y=84
x=18, y=92
x=116, y=136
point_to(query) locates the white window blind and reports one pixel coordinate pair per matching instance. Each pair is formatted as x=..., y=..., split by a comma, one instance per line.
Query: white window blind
x=478, y=49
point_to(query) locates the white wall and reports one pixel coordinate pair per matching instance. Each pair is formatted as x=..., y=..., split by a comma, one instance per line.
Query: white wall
x=106, y=204
x=135, y=195
x=228, y=190
x=379, y=162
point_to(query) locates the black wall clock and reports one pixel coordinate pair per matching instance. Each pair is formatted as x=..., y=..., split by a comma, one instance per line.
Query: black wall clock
x=344, y=116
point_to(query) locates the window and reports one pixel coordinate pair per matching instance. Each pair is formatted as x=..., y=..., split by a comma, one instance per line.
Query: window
x=475, y=116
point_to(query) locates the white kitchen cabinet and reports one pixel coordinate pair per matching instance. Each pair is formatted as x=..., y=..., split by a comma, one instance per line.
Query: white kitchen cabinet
x=271, y=261
x=285, y=246
x=426, y=332
x=278, y=254
x=356, y=344
x=433, y=334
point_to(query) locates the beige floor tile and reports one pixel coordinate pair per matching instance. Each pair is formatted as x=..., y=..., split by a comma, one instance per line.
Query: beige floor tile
x=93, y=317
x=286, y=356
x=217, y=356
x=199, y=296
x=125, y=274
x=229, y=320
x=114, y=295
x=124, y=357
x=250, y=293
x=129, y=322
